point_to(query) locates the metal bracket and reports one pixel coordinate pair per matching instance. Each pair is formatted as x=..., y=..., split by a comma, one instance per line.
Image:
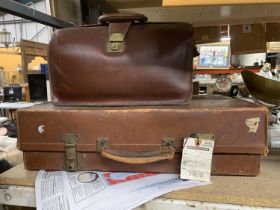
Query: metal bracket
x=71, y=156
x=20, y=10
x=168, y=142
x=101, y=143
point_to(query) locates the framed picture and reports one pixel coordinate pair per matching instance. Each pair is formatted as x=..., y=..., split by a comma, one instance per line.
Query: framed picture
x=214, y=56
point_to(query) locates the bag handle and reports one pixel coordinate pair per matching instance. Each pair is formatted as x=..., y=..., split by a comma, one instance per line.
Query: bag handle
x=134, y=157
x=122, y=17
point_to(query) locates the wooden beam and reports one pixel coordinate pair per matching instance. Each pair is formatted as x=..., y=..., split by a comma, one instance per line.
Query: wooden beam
x=212, y=15
x=53, y=6
x=135, y=4
x=29, y=50
x=167, y=3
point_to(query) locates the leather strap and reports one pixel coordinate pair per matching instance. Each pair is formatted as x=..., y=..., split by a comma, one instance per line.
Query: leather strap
x=119, y=24
x=117, y=33
x=119, y=28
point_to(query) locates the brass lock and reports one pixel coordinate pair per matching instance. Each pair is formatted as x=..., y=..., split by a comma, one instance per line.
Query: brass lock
x=116, y=43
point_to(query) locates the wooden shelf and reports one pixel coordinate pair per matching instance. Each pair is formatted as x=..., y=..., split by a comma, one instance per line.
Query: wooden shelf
x=224, y=71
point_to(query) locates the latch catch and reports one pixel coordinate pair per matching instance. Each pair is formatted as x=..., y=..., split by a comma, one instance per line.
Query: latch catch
x=71, y=155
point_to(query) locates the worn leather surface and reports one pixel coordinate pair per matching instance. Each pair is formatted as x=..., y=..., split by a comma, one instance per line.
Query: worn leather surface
x=143, y=129
x=155, y=67
x=222, y=164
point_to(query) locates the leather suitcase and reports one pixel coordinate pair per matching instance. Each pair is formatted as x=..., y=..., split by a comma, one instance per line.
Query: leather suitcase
x=122, y=61
x=143, y=139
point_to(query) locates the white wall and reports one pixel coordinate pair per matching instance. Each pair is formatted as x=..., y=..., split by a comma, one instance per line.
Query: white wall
x=250, y=59
x=27, y=29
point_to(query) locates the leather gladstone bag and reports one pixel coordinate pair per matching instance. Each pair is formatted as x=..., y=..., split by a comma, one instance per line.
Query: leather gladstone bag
x=122, y=61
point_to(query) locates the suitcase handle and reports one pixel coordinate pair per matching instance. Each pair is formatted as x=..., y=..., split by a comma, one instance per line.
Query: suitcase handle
x=134, y=157
x=122, y=17
x=138, y=158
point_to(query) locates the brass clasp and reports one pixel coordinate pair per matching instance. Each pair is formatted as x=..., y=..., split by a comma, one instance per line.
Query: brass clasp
x=116, y=43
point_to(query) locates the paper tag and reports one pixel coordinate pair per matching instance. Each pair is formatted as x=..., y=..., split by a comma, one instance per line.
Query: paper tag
x=197, y=159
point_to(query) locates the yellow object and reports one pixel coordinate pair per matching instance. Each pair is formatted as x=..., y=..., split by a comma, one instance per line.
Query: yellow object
x=167, y=3
x=10, y=60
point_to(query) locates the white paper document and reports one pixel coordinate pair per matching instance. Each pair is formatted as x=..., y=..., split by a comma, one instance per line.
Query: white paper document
x=50, y=191
x=197, y=159
x=103, y=190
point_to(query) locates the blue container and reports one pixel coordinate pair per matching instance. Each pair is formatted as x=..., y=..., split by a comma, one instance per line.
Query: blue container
x=44, y=68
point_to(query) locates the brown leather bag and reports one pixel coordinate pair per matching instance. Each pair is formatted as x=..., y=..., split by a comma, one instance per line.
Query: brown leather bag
x=122, y=61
